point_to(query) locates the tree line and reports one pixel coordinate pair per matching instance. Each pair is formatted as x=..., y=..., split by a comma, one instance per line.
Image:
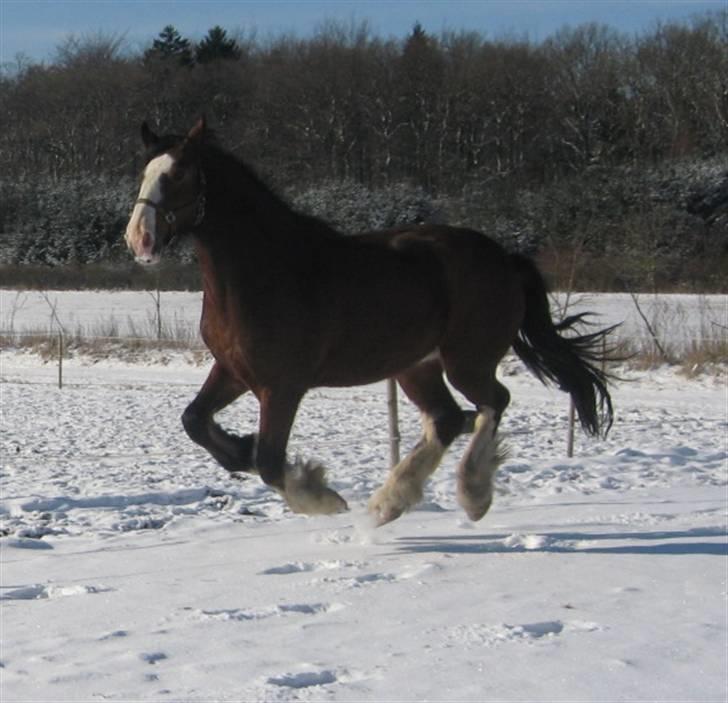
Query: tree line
x=456, y=116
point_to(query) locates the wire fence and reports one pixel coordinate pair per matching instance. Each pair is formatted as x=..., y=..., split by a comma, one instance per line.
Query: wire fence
x=12, y=338
x=57, y=347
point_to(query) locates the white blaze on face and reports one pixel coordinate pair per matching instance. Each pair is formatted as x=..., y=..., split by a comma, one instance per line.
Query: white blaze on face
x=141, y=230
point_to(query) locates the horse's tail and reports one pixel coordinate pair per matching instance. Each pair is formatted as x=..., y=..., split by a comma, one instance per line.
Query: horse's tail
x=574, y=362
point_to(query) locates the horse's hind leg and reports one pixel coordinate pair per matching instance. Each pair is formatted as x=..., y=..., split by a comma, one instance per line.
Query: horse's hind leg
x=218, y=391
x=442, y=420
x=484, y=453
x=478, y=466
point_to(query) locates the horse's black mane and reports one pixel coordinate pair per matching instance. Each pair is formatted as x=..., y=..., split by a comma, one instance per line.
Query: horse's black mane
x=246, y=186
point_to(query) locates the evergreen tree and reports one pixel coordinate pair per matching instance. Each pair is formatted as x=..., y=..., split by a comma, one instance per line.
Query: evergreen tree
x=423, y=108
x=217, y=46
x=170, y=44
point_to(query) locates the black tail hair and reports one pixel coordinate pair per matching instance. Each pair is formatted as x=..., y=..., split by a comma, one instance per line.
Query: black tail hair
x=574, y=362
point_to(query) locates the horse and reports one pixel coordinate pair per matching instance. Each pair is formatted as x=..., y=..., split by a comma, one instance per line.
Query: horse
x=290, y=304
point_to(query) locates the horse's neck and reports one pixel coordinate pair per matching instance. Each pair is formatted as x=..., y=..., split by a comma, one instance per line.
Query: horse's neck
x=233, y=259
x=245, y=205
x=249, y=233
x=236, y=251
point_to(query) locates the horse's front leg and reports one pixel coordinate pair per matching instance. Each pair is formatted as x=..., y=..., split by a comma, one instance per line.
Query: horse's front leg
x=219, y=390
x=302, y=485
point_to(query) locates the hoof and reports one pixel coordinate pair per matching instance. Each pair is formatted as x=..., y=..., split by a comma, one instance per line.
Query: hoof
x=383, y=514
x=387, y=504
x=474, y=493
x=306, y=491
x=474, y=509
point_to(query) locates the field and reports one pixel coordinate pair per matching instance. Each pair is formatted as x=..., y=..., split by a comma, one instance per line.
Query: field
x=134, y=568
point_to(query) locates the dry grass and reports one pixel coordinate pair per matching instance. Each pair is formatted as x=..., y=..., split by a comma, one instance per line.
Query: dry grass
x=689, y=338
x=693, y=358
x=708, y=356
x=700, y=357
x=153, y=339
x=106, y=340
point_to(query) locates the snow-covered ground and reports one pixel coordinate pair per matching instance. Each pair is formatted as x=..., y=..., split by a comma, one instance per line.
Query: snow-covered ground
x=134, y=568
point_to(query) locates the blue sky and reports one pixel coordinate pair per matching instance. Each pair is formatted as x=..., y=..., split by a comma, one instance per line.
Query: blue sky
x=36, y=27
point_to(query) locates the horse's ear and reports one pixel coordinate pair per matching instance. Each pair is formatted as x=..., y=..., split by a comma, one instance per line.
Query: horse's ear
x=149, y=138
x=198, y=132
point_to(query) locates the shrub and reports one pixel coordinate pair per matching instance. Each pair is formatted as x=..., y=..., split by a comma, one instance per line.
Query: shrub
x=352, y=207
x=67, y=221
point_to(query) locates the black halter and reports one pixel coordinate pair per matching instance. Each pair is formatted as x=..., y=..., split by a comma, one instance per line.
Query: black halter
x=170, y=214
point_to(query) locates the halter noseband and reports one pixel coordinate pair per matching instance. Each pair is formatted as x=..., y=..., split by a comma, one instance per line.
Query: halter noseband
x=170, y=214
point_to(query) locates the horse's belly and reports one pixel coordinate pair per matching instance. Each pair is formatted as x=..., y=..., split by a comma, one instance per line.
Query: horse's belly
x=367, y=359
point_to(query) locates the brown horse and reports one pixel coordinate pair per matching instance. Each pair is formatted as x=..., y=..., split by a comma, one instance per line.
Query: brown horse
x=290, y=304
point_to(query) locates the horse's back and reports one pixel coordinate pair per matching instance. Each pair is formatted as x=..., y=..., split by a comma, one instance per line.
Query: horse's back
x=469, y=262
x=450, y=245
x=383, y=307
x=484, y=289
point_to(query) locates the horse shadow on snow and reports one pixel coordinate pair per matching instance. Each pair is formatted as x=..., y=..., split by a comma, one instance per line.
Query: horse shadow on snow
x=664, y=543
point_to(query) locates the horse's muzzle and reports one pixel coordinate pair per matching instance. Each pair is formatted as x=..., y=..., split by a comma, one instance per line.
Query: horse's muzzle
x=140, y=237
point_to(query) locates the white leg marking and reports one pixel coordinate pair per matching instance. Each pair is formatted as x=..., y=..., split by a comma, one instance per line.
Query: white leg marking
x=478, y=467
x=306, y=491
x=403, y=489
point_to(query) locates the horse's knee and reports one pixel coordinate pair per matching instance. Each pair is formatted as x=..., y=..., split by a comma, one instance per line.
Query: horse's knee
x=195, y=424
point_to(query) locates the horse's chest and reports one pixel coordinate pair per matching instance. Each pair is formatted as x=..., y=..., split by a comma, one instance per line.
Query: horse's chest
x=242, y=348
x=221, y=331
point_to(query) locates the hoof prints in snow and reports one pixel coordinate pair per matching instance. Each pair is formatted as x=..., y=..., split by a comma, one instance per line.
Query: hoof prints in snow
x=33, y=519
x=237, y=614
x=342, y=582
x=26, y=542
x=39, y=592
x=297, y=567
x=366, y=579
x=66, y=503
x=304, y=679
x=492, y=635
x=116, y=634
x=350, y=581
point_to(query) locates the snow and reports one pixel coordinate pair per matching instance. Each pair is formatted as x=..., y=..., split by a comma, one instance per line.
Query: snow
x=134, y=568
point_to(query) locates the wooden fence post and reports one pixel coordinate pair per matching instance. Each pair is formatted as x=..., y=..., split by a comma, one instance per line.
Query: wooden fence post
x=570, y=430
x=60, y=359
x=394, y=436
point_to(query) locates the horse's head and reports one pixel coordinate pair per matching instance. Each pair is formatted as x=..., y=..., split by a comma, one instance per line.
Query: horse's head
x=172, y=194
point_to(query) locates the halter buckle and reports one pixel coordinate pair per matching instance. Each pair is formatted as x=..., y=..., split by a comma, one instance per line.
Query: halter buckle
x=170, y=216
